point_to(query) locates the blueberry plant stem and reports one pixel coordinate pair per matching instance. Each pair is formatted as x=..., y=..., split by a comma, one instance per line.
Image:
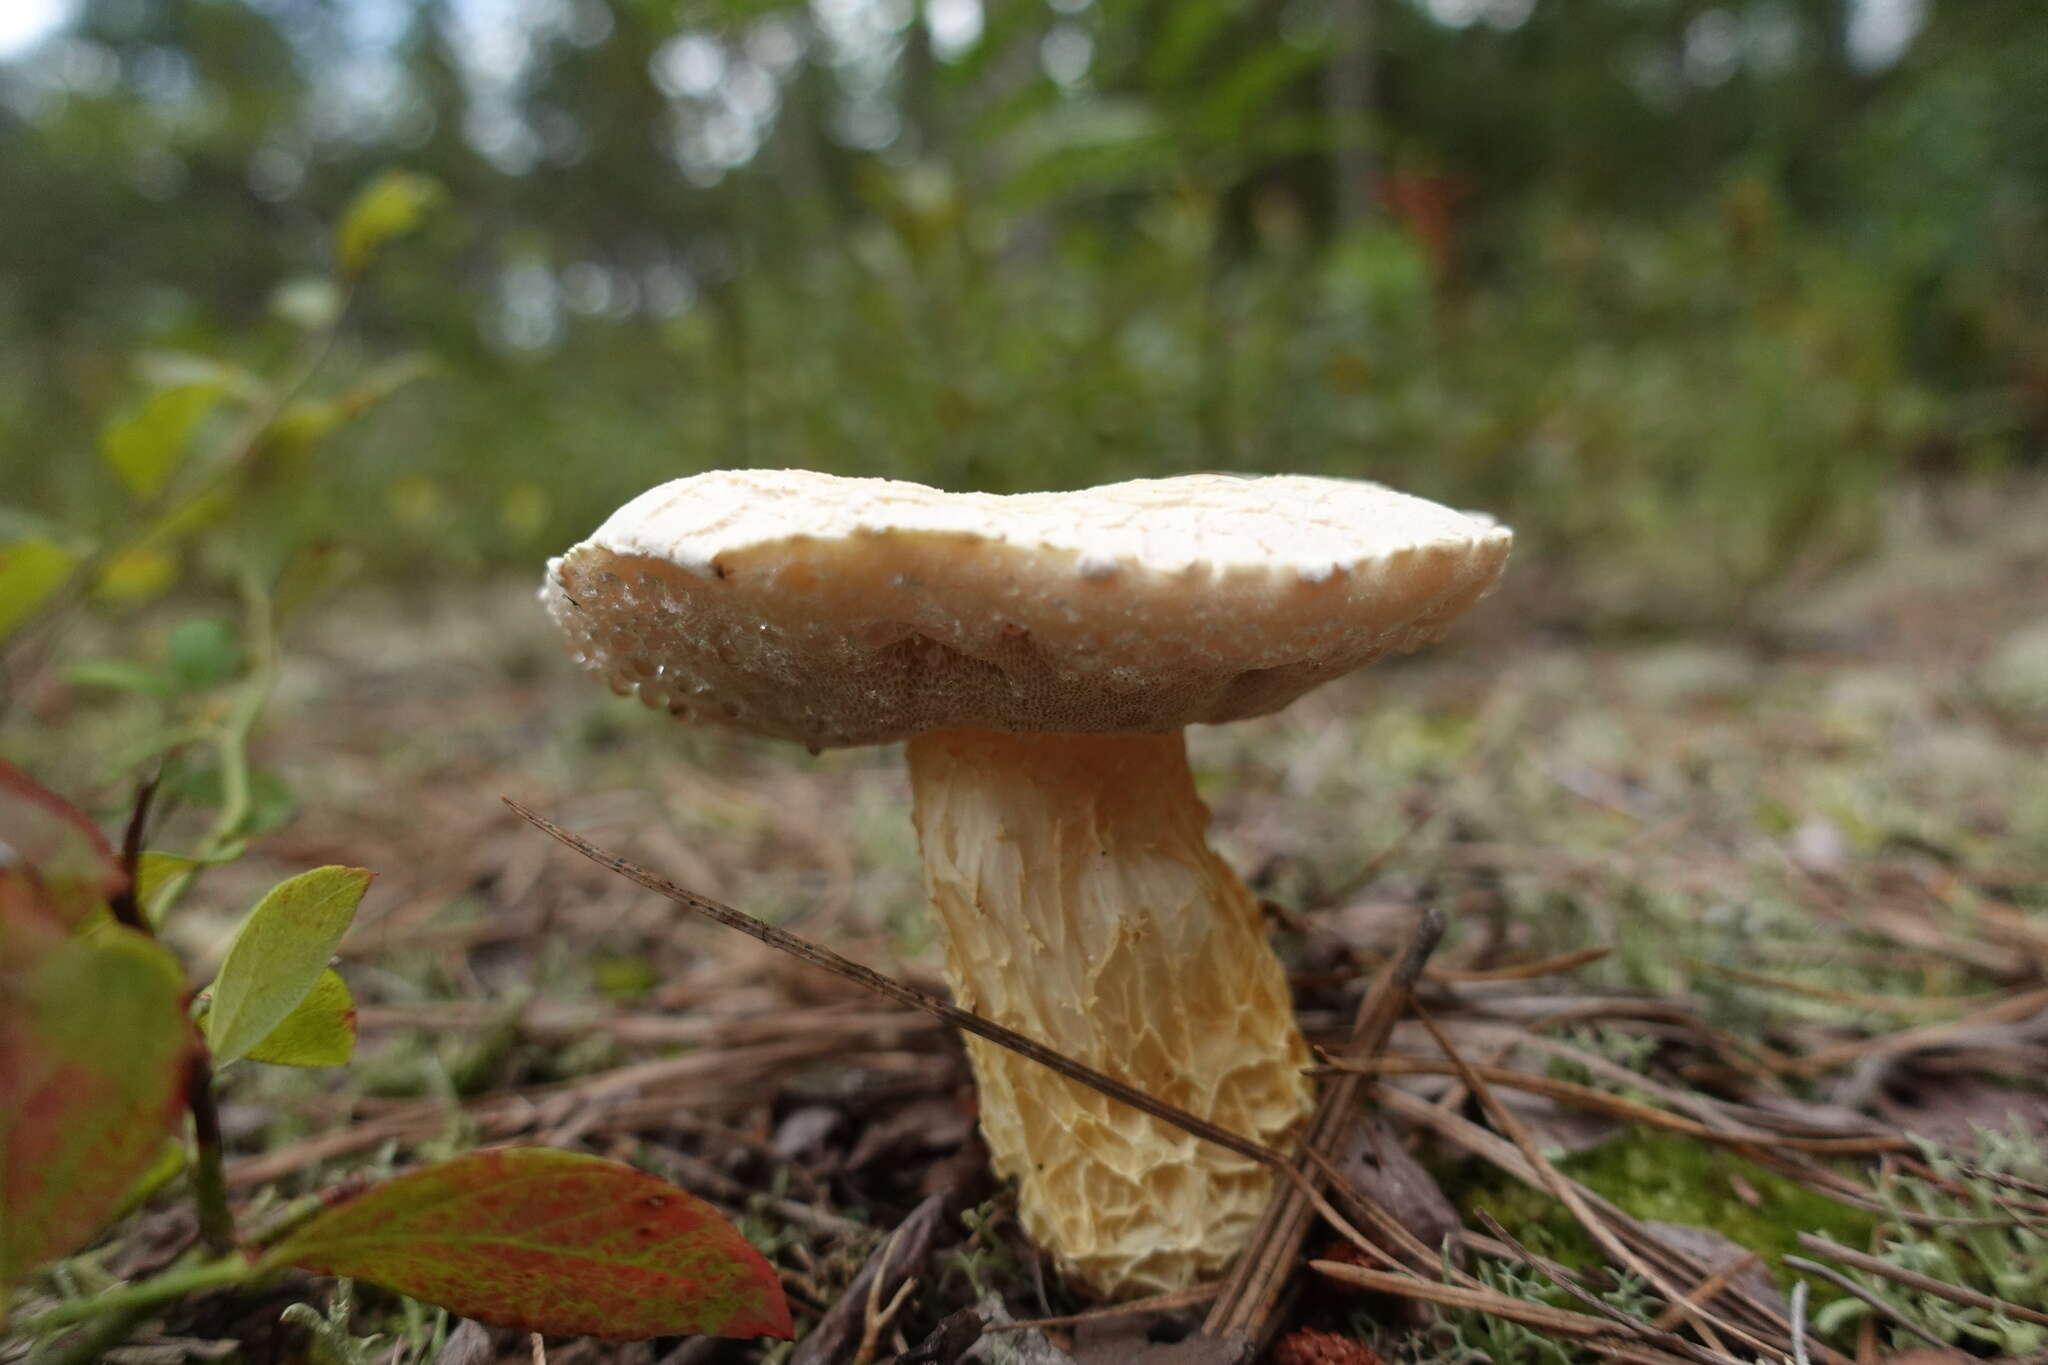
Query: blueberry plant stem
x=129, y=1300
x=231, y=744
x=209, y=1182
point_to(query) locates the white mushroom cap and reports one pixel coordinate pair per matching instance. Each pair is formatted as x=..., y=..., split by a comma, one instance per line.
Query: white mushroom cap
x=837, y=611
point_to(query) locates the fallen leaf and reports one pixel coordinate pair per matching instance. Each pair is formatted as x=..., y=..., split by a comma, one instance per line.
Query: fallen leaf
x=1714, y=1250
x=804, y=1132
x=549, y=1241
x=1381, y=1168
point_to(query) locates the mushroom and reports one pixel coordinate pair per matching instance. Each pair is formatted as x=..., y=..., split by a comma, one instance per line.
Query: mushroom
x=1041, y=654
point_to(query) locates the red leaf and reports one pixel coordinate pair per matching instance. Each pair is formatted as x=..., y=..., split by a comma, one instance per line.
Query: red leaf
x=549, y=1241
x=51, y=855
x=94, y=1047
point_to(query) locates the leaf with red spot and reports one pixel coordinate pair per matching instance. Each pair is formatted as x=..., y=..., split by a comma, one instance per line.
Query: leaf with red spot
x=278, y=956
x=51, y=856
x=549, y=1241
x=94, y=1050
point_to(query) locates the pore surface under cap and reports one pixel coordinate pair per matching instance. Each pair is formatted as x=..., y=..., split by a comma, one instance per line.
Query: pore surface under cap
x=840, y=611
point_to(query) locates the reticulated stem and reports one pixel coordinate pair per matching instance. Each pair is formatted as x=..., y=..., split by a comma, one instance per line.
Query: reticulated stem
x=1083, y=907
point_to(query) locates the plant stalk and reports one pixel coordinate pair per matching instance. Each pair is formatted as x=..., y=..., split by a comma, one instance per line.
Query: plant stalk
x=209, y=1180
x=175, y=1283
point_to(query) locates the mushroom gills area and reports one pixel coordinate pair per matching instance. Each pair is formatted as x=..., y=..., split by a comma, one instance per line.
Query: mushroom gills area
x=1084, y=908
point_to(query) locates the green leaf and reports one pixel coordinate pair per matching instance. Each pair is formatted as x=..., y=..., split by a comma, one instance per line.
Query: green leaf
x=53, y=860
x=308, y=302
x=278, y=955
x=202, y=653
x=303, y=425
x=183, y=369
x=140, y=573
x=94, y=1048
x=321, y=1031
x=389, y=207
x=30, y=570
x=155, y=871
x=549, y=1241
x=271, y=804
x=119, y=675
x=146, y=445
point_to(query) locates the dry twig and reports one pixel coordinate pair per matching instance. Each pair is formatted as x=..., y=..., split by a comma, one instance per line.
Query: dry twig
x=1913, y=1279
x=1244, y=1309
x=1611, y=1338
x=1849, y=1286
x=1158, y=1303
x=964, y=1020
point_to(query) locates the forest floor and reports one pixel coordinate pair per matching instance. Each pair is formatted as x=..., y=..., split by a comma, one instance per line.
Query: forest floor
x=1815, y=852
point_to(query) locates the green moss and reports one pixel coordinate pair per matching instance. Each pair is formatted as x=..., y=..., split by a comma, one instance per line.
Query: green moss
x=623, y=976
x=1662, y=1177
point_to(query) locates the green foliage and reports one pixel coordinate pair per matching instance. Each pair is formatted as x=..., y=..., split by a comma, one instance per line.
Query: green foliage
x=1475, y=1337
x=279, y=955
x=624, y=977
x=145, y=446
x=199, y=654
x=99, y=1059
x=1672, y=1179
x=1981, y=1248
x=182, y=474
x=1711, y=412
x=95, y=1054
x=202, y=653
x=1691, y=323
x=255, y=800
x=389, y=207
x=30, y=570
x=986, y=1260
x=330, y=1338
x=320, y=1030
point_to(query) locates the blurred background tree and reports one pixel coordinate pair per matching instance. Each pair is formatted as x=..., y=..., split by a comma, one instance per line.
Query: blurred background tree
x=1677, y=284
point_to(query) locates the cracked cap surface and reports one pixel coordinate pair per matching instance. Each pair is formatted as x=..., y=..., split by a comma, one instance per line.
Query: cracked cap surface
x=836, y=611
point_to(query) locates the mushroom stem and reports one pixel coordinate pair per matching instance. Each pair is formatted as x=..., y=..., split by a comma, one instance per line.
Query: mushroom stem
x=1083, y=907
